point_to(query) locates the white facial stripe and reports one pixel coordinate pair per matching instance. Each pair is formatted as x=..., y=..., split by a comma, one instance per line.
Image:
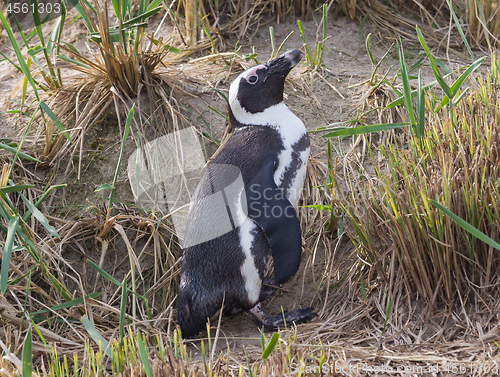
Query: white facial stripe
x=252, y=71
x=233, y=89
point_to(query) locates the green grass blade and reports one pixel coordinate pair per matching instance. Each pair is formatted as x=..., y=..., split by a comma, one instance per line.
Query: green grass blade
x=434, y=67
x=458, y=84
x=5, y=58
x=153, y=4
x=459, y=98
x=321, y=207
x=103, y=187
x=69, y=60
x=207, y=33
x=270, y=346
x=325, y=20
x=468, y=227
x=329, y=157
x=40, y=217
x=141, y=17
x=27, y=215
x=28, y=355
x=20, y=58
x=473, y=67
x=441, y=65
x=363, y=290
x=222, y=94
x=56, y=121
x=38, y=27
x=34, y=51
x=95, y=335
x=15, y=188
x=271, y=34
x=81, y=11
x=369, y=50
x=36, y=20
x=144, y=355
x=387, y=313
x=400, y=100
x=250, y=372
x=21, y=33
x=377, y=66
x=46, y=193
x=116, y=7
x=127, y=7
x=326, y=128
x=416, y=65
x=172, y=49
x=483, y=22
x=72, y=48
x=89, y=5
x=344, y=131
x=304, y=43
x=111, y=278
x=406, y=86
x=283, y=43
x=68, y=304
x=103, y=273
x=55, y=35
x=123, y=307
x=7, y=252
x=128, y=123
x=420, y=127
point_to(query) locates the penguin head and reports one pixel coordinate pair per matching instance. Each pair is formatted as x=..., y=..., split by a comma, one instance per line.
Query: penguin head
x=261, y=87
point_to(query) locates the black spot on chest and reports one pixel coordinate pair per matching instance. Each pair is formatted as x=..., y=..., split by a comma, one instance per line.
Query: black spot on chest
x=296, y=163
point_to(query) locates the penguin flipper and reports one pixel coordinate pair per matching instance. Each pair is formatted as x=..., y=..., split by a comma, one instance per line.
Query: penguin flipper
x=269, y=207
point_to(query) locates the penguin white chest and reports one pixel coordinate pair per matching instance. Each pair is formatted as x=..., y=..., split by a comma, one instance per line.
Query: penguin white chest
x=292, y=160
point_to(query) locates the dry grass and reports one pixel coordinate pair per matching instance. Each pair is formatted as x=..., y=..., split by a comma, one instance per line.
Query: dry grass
x=432, y=17
x=240, y=18
x=415, y=261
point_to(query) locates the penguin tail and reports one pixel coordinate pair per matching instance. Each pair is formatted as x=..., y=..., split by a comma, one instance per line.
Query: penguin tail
x=190, y=320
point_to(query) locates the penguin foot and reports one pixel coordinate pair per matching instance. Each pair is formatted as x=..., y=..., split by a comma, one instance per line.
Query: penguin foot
x=236, y=309
x=269, y=322
x=268, y=288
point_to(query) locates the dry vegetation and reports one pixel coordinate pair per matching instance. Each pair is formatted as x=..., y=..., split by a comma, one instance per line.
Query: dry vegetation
x=433, y=17
x=409, y=286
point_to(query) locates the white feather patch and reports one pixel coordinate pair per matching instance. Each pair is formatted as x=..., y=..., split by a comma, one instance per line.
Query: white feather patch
x=248, y=270
x=298, y=182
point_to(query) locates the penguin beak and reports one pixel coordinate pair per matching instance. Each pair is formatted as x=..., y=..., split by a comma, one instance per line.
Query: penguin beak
x=283, y=64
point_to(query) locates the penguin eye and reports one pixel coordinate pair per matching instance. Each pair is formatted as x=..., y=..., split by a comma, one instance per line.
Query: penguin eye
x=253, y=79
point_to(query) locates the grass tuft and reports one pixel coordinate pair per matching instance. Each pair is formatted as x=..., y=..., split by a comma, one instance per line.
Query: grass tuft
x=456, y=164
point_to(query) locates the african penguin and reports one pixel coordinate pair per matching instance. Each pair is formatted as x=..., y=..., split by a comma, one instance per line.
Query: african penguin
x=243, y=212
